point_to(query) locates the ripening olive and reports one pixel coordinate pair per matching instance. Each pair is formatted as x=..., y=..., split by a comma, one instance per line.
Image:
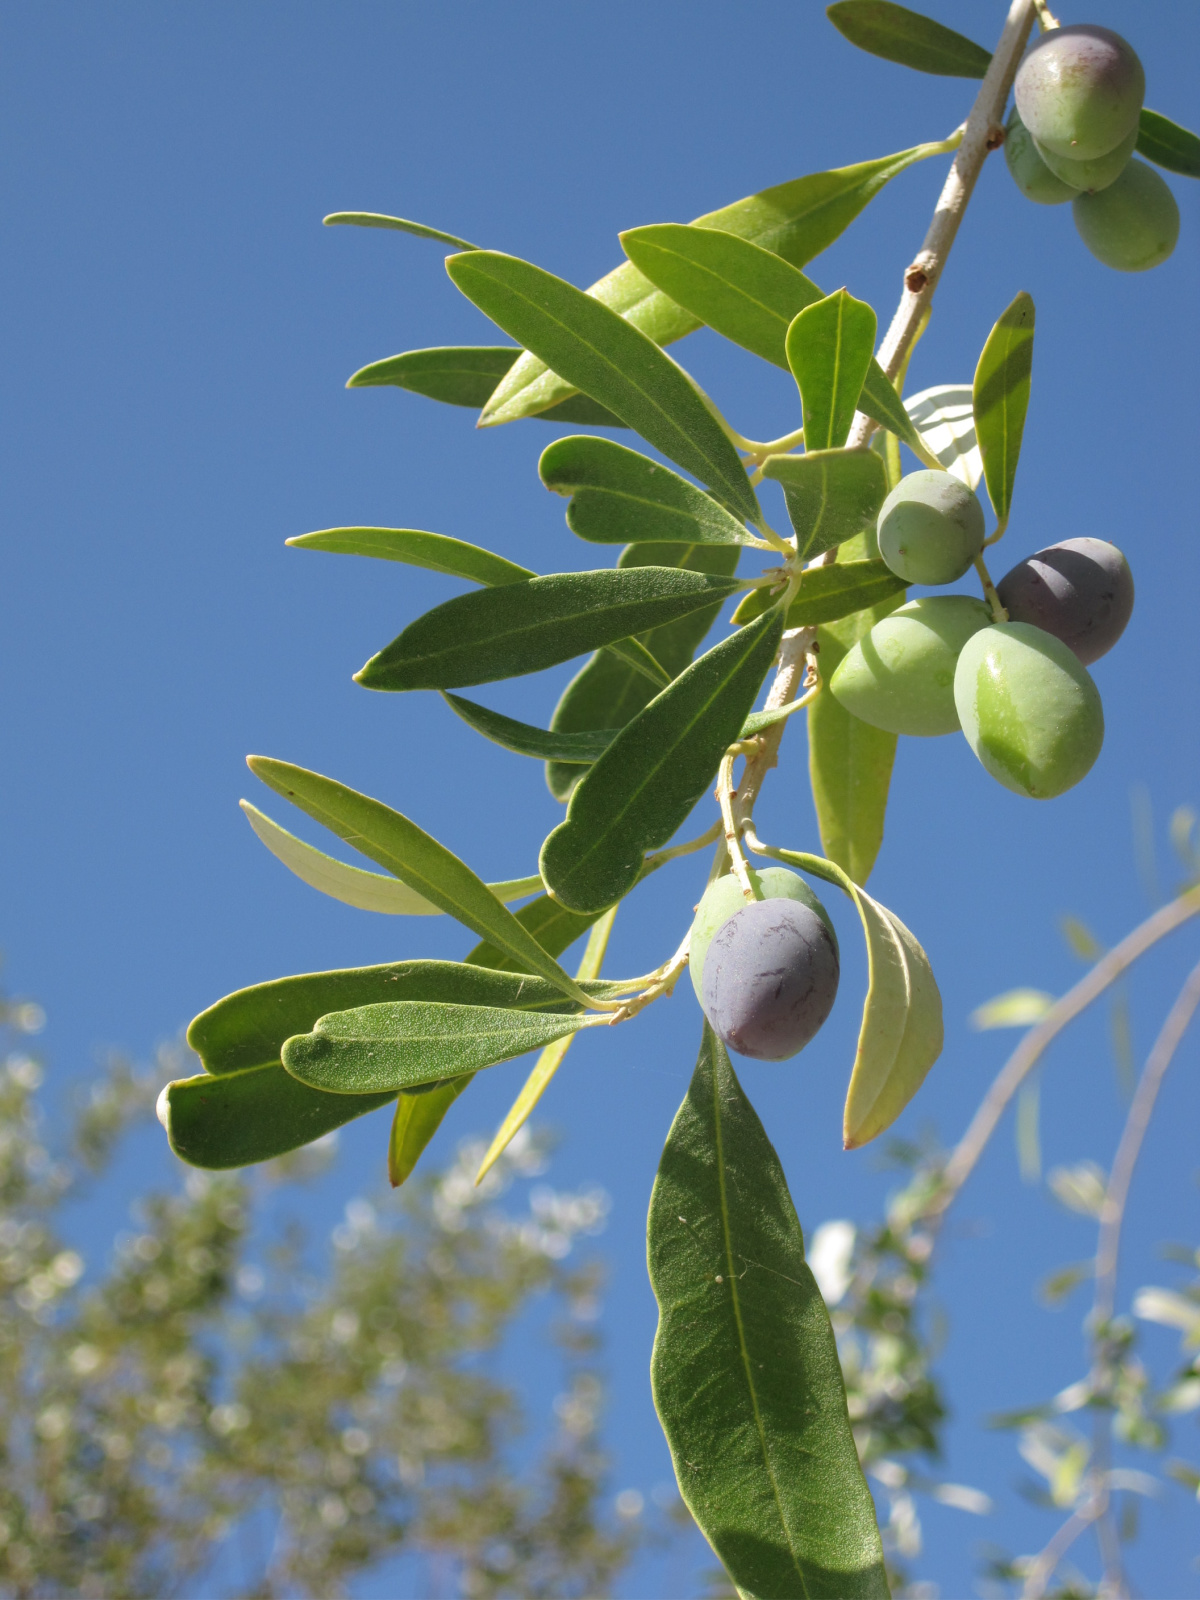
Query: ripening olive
x=1029, y=170
x=1028, y=708
x=1090, y=176
x=901, y=676
x=724, y=897
x=1080, y=91
x=930, y=528
x=1133, y=224
x=1080, y=590
x=770, y=978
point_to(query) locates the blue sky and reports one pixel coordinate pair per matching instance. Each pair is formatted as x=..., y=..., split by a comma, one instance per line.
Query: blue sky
x=178, y=330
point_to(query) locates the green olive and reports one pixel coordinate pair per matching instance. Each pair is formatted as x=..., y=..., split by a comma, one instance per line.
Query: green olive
x=930, y=528
x=1133, y=224
x=1090, y=176
x=1080, y=90
x=901, y=676
x=724, y=897
x=1030, y=172
x=1028, y=708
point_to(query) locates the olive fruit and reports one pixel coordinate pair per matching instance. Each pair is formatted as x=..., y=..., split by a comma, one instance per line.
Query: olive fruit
x=930, y=528
x=1090, y=176
x=1080, y=91
x=1029, y=170
x=770, y=978
x=1028, y=708
x=1080, y=590
x=724, y=897
x=901, y=675
x=1133, y=224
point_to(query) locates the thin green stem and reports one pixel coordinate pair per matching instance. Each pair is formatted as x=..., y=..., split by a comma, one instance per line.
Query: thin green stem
x=999, y=614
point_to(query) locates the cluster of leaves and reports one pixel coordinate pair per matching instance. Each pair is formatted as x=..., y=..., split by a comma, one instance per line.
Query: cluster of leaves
x=218, y=1409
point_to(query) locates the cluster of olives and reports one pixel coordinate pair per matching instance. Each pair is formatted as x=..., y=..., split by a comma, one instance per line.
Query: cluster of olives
x=1071, y=136
x=765, y=971
x=1019, y=690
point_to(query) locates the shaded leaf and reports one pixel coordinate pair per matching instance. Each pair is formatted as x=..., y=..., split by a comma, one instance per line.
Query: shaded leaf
x=597, y=351
x=604, y=693
x=619, y=497
x=745, y=1367
x=368, y=891
x=828, y=593
x=553, y=926
x=526, y=740
x=418, y=1117
x=831, y=494
x=404, y=1043
x=1000, y=399
x=829, y=347
x=378, y=219
x=433, y=551
x=1015, y=1008
x=795, y=220
x=647, y=781
x=635, y=654
x=902, y=1032
x=398, y=844
x=1167, y=144
x=252, y=1115
x=945, y=418
x=906, y=37
x=465, y=375
x=506, y=632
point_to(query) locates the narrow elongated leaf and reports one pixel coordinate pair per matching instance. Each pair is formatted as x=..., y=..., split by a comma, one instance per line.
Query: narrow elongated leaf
x=1000, y=399
x=395, y=842
x=795, y=220
x=605, y=693
x=945, y=418
x=378, y=219
x=434, y=551
x=620, y=497
x=831, y=494
x=829, y=593
x=465, y=375
x=635, y=654
x=745, y=1367
x=553, y=926
x=368, y=891
x=247, y=1028
x=526, y=740
x=901, y=1034
x=409, y=1042
x=1167, y=144
x=898, y=34
x=849, y=762
x=1015, y=1008
x=252, y=1115
x=599, y=352
x=829, y=348
x=508, y=631
x=418, y=1117
x=747, y=294
x=655, y=770
x=552, y=1056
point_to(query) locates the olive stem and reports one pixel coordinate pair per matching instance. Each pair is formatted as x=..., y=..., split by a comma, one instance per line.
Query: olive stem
x=759, y=452
x=999, y=614
x=1046, y=17
x=663, y=982
x=689, y=847
x=725, y=796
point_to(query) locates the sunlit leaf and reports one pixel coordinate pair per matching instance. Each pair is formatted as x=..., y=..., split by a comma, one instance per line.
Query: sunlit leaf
x=378, y=219
x=1000, y=399
x=945, y=418
x=466, y=375
x=433, y=551
x=831, y=494
x=1167, y=144
x=906, y=37
x=829, y=347
x=1080, y=1188
x=827, y=593
x=745, y=1367
x=1015, y=1008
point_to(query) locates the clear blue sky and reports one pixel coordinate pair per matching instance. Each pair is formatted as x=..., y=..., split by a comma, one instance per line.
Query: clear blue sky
x=178, y=329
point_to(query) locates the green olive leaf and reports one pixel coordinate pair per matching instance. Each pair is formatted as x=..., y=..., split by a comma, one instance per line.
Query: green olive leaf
x=518, y=628
x=829, y=347
x=597, y=351
x=745, y=1368
x=656, y=769
x=526, y=740
x=605, y=692
x=831, y=494
x=1167, y=144
x=795, y=220
x=465, y=375
x=618, y=496
x=378, y=219
x=418, y=1117
x=829, y=593
x=393, y=841
x=1000, y=399
x=368, y=891
x=897, y=34
x=902, y=1033
x=433, y=551
x=404, y=1043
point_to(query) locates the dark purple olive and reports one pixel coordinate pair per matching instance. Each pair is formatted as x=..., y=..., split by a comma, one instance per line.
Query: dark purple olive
x=1081, y=591
x=770, y=979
